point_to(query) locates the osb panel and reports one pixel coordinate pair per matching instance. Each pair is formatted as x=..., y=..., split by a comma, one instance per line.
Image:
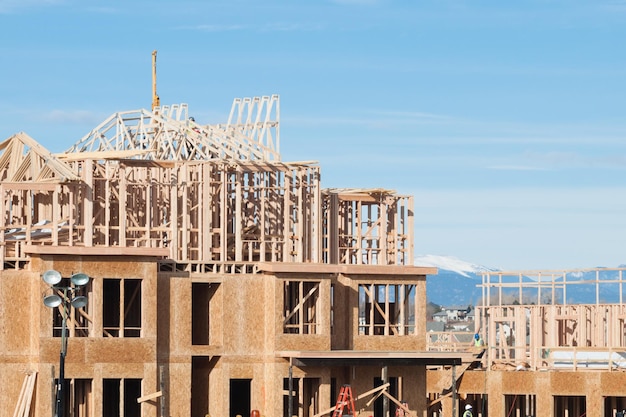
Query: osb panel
x=179, y=335
x=244, y=316
x=302, y=342
x=115, y=350
x=101, y=266
x=178, y=389
x=517, y=382
x=218, y=399
x=49, y=349
x=432, y=379
x=343, y=310
x=109, y=350
x=163, y=315
x=384, y=343
x=17, y=304
x=470, y=382
x=570, y=383
x=613, y=383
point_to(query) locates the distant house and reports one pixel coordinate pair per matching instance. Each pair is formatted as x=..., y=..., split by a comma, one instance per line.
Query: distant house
x=456, y=313
x=441, y=317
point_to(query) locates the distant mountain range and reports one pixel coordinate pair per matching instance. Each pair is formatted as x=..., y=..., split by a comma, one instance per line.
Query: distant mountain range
x=456, y=283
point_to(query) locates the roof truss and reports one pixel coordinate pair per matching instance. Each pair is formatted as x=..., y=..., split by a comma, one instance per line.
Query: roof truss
x=25, y=160
x=167, y=133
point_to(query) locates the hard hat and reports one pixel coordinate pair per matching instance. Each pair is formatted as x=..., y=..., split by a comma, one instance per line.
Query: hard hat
x=468, y=407
x=476, y=336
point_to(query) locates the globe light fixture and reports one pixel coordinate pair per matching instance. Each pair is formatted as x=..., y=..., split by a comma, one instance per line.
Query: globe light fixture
x=63, y=297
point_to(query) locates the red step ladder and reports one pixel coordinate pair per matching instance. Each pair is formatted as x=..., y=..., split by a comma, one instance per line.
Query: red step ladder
x=345, y=399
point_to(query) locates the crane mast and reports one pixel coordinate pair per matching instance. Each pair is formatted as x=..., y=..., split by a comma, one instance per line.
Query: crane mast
x=155, y=97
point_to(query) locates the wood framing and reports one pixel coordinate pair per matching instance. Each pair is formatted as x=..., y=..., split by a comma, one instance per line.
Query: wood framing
x=206, y=254
x=224, y=280
x=547, y=353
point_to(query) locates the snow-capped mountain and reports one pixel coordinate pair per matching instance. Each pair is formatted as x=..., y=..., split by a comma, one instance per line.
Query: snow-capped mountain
x=456, y=283
x=450, y=263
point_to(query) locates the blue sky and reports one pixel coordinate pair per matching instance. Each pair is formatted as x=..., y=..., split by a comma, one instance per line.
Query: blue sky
x=504, y=119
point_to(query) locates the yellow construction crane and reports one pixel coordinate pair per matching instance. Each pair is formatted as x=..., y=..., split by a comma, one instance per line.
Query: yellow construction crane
x=155, y=97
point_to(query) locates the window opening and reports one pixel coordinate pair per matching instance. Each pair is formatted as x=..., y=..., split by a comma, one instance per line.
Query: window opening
x=391, y=390
x=386, y=309
x=515, y=405
x=301, y=307
x=310, y=397
x=77, y=401
x=119, y=397
x=614, y=406
x=569, y=405
x=121, y=307
x=201, y=295
x=524, y=404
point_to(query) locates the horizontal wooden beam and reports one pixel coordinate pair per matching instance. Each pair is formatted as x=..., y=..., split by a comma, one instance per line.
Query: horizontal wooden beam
x=96, y=250
x=389, y=270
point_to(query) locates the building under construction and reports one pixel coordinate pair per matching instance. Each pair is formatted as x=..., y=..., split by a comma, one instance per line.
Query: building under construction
x=554, y=344
x=222, y=280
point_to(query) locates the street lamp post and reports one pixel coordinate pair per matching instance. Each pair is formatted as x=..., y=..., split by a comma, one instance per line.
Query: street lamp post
x=63, y=296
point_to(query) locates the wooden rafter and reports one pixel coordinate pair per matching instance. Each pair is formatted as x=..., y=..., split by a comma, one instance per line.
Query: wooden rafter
x=206, y=195
x=25, y=160
x=164, y=134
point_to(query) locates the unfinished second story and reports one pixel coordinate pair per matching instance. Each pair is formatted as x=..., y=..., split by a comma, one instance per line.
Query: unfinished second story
x=201, y=197
x=350, y=307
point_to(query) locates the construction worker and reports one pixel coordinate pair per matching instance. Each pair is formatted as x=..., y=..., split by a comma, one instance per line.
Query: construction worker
x=468, y=411
x=400, y=411
x=478, y=341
